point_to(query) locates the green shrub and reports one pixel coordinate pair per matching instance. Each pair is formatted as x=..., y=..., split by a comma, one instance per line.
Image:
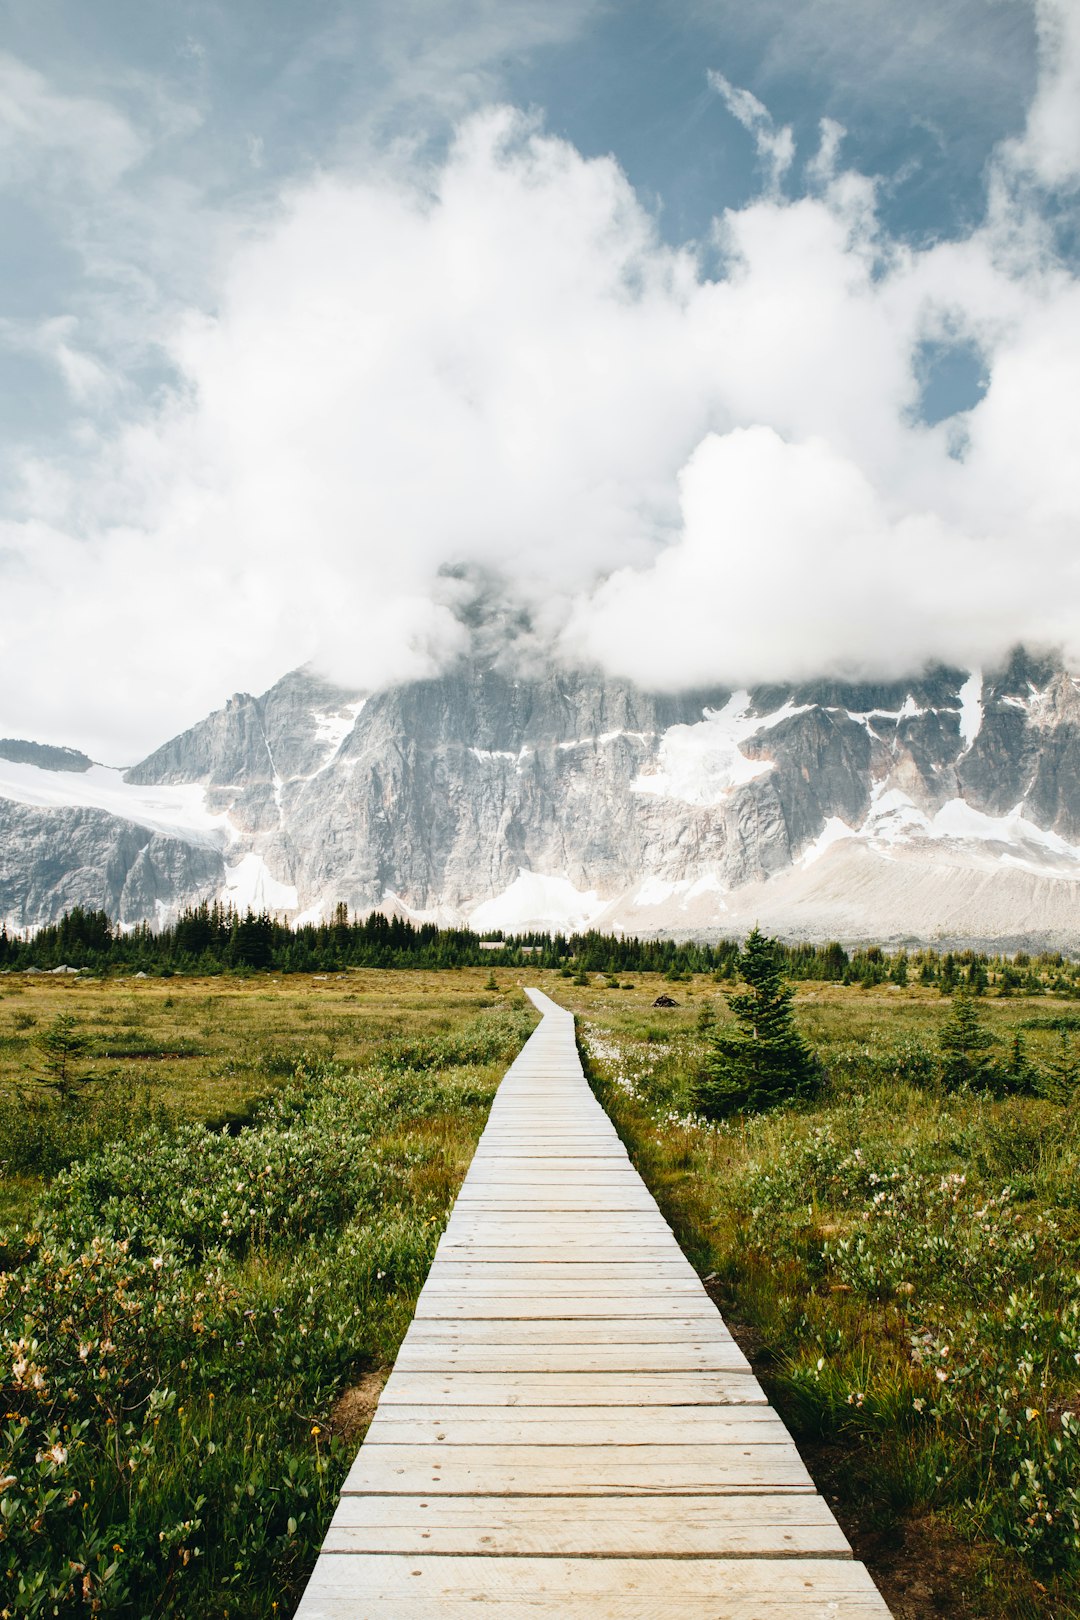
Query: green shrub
x=176, y=1329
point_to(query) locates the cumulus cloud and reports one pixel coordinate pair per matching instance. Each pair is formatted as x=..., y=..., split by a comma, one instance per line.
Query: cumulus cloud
x=493, y=368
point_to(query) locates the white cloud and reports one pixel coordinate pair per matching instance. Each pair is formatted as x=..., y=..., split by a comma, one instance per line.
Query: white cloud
x=494, y=365
x=790, y=561
x=775, y=147
x=53, y=340
x=1050, y=146
x=823, y=166
x=51, y=137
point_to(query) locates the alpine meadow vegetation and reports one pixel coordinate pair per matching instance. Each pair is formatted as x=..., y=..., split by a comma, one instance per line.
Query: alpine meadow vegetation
x=898, y=1251
x=189, y=1306
x=208, y=1256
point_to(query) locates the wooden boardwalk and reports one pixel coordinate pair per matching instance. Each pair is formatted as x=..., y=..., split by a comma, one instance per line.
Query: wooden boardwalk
x=569, y=1429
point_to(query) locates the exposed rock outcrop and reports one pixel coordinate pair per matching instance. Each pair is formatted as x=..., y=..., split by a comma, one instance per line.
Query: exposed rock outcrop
x=944, y=806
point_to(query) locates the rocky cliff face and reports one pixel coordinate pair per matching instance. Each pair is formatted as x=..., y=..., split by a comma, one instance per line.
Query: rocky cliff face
x=565, y=799
x=55, y=859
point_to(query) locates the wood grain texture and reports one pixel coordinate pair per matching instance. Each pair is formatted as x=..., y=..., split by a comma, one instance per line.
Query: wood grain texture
x=570, y=1430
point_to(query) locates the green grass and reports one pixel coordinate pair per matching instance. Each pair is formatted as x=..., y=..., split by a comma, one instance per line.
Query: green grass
x=207, y=1266
x=186, y=1314
x=903, y=1265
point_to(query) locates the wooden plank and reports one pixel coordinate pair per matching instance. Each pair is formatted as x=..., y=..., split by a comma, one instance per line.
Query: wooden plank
x=546, y=1356
x=620, y=1258
x=636, y=1389
x=586, y=1426
x=568, y=1270
x=334, y=1602
x=556, y=1307
x=585, y=1330
x=565, y=1226
x=556, y=1287
x=791, y=1526
x=577, y=1470
x=794, y=1586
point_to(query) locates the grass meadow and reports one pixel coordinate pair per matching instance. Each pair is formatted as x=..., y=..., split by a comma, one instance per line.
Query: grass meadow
x=208, y=1258
x=902, y=1266
x=207, y=1262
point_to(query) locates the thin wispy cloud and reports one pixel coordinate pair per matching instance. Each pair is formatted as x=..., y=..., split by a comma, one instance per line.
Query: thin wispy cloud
x=775, y=146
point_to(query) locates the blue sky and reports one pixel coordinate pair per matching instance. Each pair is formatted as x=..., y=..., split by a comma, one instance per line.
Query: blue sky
x=166, y=171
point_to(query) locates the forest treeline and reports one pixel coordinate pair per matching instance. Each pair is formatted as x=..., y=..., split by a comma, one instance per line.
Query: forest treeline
x=211, y=939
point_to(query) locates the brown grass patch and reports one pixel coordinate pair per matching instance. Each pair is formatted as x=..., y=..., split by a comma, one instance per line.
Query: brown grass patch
x=353, y=1411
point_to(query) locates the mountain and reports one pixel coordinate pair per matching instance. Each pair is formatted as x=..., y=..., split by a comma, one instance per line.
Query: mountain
x=944, y=808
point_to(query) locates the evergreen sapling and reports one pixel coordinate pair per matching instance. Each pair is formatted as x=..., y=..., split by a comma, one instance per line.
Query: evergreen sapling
x=967, y=1058
x=761, y=1059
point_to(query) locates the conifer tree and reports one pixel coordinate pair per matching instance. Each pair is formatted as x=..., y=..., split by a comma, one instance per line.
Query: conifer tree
x=1021, y=1075
x=1060, y=1081
x=762, y=1059
x=967, y=1049
x=60, y=1047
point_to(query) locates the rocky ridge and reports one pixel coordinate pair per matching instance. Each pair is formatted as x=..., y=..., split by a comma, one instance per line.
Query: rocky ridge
x=945, y=807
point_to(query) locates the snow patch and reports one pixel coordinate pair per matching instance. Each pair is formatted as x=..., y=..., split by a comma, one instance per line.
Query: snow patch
x=894, y=819
x=833, y=832
x=605, y=737
x=538, y=900
x=251, y=886
x=312, y=917
x=958, y=819
x=971, y=708
x=437, y=914
x=332, y=726
x=908, y=710
x=655, y=891
x=708, y=884
x=176, y=810
x=702, y=763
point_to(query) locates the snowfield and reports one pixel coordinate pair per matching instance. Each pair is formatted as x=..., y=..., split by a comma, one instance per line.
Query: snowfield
x=177, y=811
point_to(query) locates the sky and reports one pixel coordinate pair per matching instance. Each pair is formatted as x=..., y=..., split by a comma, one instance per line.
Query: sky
x=708, y=342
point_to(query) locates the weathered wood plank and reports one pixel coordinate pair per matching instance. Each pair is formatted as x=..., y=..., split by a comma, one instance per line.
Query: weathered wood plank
x=586, y=1426
x=508, y=1249
x=795, y=1586
x=791, y=1526
x=587, y=1330
x=586, y=1271
x=555, y=1287
x=562, y=1306
x=577, y=1470
x=570, y=1358
x=635, y=1389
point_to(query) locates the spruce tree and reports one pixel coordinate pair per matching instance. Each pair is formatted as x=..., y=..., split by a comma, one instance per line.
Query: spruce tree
x=761, y=1059
x=967, y=1049
x=706, y=1018
x=60, y=1048
x=1020, y=1074
x=1060, y=1081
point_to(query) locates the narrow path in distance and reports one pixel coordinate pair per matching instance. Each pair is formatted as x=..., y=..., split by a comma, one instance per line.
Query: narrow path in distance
x=569, y=1429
